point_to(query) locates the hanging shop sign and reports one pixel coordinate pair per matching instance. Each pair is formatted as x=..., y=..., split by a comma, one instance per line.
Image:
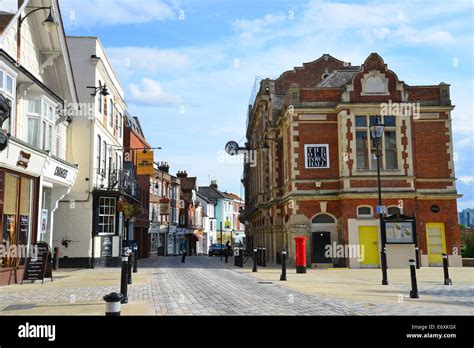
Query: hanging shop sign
x=145, y=163
x=164, y=206
x=316, y=156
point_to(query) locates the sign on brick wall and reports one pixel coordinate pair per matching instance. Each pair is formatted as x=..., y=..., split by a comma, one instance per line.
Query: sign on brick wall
x=316, y=156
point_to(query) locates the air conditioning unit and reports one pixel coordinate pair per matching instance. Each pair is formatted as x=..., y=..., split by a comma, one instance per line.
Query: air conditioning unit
x=8, y=7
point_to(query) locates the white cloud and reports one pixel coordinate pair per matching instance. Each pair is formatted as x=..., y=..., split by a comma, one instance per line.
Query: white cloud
x=149, y=59
x=467, y=180
x=150, y=93
x=91, y=13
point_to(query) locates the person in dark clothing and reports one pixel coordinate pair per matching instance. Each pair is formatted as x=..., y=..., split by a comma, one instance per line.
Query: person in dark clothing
x=228, y=248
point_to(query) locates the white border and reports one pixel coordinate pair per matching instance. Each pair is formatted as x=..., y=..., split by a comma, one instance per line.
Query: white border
x=306, y=156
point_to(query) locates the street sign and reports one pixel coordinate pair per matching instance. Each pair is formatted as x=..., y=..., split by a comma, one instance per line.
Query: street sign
x=382, y=209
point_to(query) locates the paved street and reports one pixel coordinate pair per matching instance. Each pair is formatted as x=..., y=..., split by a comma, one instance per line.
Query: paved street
x=206, y=286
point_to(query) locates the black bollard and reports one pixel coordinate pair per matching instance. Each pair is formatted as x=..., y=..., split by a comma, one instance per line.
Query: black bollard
x=447, y=281
x=236, y=257
x=112, y=304
x=135, y=262
x=124, y=279
x=283, y=265
x=255, y=254
x=56, y=259
x=414, y=287
x=241, y=257
x=264, y=256
x=226, y=255
x=417, y=258
x=183, y=257
x=130, y=262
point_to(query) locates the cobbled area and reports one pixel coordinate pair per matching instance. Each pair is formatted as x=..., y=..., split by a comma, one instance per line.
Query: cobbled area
x=202, y=286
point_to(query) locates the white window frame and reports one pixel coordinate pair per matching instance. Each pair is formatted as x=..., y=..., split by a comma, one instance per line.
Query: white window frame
x=45, y=105
x=10, y=95
x=365, y=216
x=109, y=215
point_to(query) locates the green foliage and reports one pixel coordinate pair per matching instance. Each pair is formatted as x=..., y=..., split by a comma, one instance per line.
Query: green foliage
x=468, y=251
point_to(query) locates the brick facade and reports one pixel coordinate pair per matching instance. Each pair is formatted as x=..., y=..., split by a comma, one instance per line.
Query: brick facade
x=318, y=104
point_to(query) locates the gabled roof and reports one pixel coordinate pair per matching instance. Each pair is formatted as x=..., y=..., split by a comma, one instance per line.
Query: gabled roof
x=212, y=193
x=188, y=184
x=204, y=198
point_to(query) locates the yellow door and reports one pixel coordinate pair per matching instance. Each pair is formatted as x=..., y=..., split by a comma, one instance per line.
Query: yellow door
x=436, y=242
x=369, y=240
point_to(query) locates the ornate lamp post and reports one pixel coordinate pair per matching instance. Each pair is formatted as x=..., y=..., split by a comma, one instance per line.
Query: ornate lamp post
x=377, y=132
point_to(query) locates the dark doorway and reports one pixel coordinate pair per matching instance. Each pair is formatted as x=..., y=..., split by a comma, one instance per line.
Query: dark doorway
x=319, y=242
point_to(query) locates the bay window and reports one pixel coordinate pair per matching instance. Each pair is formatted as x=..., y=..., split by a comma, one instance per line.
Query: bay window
x=7, y=87
x=40, y=120
x=365, y=149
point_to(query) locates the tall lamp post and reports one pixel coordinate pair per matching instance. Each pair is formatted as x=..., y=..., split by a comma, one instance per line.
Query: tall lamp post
x=377, y=132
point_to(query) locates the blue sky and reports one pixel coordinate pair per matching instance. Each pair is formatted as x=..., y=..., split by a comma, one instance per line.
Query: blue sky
x=188, y=67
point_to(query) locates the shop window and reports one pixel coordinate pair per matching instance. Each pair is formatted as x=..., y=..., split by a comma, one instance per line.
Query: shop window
x=323, y=219
x=17, y=216
x=364, y=212
x=107, y=213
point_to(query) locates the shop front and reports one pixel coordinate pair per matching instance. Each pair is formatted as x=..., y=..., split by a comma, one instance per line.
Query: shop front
x=29, y=194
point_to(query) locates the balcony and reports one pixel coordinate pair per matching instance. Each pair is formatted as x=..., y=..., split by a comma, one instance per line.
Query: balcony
x=119, y=181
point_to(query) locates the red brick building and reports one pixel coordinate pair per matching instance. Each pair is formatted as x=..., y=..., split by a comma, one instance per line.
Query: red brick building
x=315, y=173
x=133, y=142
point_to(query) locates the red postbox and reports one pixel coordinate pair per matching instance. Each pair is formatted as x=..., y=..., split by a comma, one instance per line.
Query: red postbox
x=300, y=254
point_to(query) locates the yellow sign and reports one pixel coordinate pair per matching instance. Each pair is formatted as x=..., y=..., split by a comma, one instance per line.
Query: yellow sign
x=145, y=163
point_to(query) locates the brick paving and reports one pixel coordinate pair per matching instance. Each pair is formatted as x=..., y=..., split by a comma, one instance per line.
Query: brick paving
x=203, y=286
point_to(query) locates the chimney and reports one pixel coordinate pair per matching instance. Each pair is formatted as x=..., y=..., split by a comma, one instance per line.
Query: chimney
x=214, y=184
x=164, y=167
x=182, y=174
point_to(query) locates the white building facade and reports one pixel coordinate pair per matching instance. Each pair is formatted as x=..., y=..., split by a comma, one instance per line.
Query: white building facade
x=91, y=219
x=36, y=169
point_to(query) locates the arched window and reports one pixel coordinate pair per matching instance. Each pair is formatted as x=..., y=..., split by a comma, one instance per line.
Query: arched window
x=393, y=210
x=323, y=219
x=364, y=211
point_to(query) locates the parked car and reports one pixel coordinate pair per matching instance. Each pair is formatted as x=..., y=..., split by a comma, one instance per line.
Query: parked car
x=216, y=249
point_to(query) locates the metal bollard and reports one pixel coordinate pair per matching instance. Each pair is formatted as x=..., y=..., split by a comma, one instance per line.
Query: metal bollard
x=447, y=281
x=135, y=262
x=226, y=255
x=283, y=265
x=255, y=254
x=130, y=262
x=414, y=287
x=241, y=257
x=183, y=257
x=56, y=259
x=417, y=258
x=124, y=279
x=112, y=304
x=264, y=256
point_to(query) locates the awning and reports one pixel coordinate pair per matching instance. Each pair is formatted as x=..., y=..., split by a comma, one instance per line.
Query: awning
x=199, y=234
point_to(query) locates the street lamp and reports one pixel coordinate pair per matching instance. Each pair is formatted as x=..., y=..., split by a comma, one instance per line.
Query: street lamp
x=377, y=132
x=50, y=24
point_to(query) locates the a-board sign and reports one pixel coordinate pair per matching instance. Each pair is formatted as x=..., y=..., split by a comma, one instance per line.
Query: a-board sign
x=40, y=267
